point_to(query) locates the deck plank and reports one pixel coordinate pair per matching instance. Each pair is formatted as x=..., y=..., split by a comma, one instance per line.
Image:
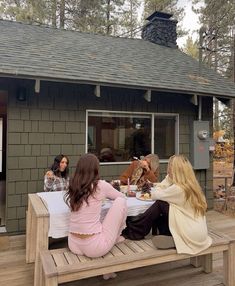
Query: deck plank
x=15, y=272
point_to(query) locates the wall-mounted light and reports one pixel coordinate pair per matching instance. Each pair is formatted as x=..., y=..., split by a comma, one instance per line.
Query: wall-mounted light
x=147, y=95
x=97, y=91
x=37, y=85
x=21, y=93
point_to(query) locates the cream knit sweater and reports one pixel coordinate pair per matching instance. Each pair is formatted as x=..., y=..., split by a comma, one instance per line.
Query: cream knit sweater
x=189, y=231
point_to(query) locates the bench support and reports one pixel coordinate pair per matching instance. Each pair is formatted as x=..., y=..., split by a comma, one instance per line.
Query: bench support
x=229, y=265
x=196, y=261
x=60, y=265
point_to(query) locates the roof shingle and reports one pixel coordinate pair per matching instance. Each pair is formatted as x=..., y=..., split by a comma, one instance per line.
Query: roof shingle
x=48, y=53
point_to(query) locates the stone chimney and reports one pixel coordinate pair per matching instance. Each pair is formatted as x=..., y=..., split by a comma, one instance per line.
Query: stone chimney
x=160, y=30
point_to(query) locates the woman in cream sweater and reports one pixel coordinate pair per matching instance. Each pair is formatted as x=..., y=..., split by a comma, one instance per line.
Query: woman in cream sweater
x=178, y=213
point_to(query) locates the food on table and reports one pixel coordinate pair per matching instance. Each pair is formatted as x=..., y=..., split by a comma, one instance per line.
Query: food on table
x=116, y=185
x=145, y=186
x=145, y=191
x=131, y=193
x=146, y=196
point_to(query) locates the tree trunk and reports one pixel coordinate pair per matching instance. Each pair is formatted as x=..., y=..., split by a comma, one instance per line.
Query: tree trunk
x=62, y=13
x=131, y=18
x=53, y=12
x=233, y=110
x=108, y=27
x=216, y=101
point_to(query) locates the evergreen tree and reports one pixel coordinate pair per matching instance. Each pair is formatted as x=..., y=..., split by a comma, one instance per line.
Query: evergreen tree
x=217, y=17
x=100, y=16
x=110, y=17
x=225, y=121
x=111, y=11
x=30, y=11
x=85, y=16
x=19, y=10
x=129, y=23
x=191, y=48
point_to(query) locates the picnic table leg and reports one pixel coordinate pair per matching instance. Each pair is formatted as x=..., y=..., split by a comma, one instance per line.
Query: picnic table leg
x=41, y=244
x=51, y=281
x=207, y=263
x=229, y=264
x=39, y=279
x=30, y=234
x=196, y=261
x=45, y=265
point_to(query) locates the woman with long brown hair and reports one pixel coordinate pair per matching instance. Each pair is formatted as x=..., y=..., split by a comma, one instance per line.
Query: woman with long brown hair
x=87, y=234
x=178, y=213
x=57, y=178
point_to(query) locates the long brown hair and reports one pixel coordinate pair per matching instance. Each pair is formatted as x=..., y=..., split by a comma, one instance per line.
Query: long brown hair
x=55, y=168
x=181, y=172
x=84, y=182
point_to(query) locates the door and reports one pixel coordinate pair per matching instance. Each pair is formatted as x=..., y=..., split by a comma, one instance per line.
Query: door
x=3, y=133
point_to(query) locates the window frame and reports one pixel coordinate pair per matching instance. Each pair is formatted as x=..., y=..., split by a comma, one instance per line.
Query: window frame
x=152, y=114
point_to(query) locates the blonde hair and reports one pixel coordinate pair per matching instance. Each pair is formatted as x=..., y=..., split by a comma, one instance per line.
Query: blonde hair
x=154, y=161
x=182, y=174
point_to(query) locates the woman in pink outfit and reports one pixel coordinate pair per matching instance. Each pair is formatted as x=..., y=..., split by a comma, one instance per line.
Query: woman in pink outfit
x=87, y=234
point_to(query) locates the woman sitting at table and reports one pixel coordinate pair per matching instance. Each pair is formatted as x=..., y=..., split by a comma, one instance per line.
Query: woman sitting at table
x=87, y=234
x=141, y=171
x=57, y=178
x=178, y=213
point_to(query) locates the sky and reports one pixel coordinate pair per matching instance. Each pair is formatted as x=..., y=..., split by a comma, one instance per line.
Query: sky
x=190, y=21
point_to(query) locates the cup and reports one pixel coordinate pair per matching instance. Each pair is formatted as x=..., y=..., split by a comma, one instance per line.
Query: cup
x=124, y=189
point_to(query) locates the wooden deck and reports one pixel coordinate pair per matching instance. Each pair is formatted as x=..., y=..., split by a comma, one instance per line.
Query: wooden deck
x=15, y=272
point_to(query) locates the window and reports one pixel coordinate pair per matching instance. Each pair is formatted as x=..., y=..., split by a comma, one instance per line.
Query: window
x=165, y=136
x=120, y=136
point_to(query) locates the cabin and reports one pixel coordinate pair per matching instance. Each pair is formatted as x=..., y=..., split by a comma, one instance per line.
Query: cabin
x=70, y=92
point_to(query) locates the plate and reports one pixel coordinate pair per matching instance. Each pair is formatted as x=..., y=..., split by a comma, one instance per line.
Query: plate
x=141, y=197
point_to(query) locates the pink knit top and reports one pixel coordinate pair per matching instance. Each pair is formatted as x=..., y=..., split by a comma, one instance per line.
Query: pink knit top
x=87, y=219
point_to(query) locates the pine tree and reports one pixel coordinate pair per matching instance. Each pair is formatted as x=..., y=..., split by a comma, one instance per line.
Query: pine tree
x=16, y=10
x=111, y=12
x=85, y=16
x=191, y=48
x=129, y=23
x=218, y=19
x=30, y=11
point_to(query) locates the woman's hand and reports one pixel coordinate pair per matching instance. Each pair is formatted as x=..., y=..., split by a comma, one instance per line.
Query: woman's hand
x=145, y=165
x=50, y=175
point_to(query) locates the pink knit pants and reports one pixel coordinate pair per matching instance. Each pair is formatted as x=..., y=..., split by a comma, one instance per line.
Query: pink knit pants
x=101, y=243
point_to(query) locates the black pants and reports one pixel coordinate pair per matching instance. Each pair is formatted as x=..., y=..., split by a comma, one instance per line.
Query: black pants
x=155, y=218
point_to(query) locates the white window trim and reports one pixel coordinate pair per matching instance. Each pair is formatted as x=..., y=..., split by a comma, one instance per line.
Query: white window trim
x=152, y=114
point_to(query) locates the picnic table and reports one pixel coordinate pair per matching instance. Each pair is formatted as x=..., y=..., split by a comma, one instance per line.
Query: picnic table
x=48, y=216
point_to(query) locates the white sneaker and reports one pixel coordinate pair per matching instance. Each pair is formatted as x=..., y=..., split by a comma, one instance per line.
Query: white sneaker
x=163, y=241
x=109, y=276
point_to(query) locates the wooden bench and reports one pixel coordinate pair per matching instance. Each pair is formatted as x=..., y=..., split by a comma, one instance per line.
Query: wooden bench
x=60, y=265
